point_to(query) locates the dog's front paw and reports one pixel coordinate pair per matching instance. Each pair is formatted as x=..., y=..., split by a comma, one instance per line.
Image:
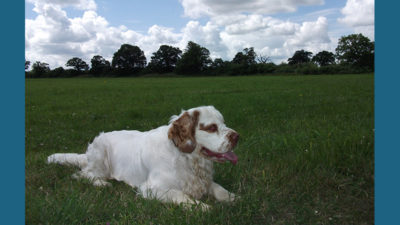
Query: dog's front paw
x=195, y=205
x=101, y=183
x=235, y=197
x=204, y=207
x=232, y=197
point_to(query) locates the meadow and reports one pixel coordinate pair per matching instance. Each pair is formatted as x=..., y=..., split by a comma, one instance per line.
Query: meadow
x=306, y=152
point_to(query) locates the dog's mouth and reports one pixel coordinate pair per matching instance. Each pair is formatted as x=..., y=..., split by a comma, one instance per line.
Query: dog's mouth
x=220, y=157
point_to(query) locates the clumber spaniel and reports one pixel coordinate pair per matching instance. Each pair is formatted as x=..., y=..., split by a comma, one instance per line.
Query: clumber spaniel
x=172, y=163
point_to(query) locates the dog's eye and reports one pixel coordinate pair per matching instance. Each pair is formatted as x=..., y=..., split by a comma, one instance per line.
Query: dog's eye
x=212, y=128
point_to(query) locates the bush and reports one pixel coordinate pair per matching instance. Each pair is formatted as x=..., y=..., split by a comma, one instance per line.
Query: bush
x=285, y=68
x=307, y=68
x=342, y=69
x=57, y=72
x=266, y=68
x=236, y=69
x=71, y=73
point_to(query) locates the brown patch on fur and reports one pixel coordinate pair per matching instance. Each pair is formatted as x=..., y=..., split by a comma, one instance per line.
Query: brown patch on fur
x=183, y=130
x=212, y=128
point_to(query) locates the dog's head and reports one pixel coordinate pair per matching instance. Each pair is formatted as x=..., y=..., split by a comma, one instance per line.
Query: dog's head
x=203, y=129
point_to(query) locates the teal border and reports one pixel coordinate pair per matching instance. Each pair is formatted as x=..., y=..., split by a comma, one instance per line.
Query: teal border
x=387, y=114
x=12, y=92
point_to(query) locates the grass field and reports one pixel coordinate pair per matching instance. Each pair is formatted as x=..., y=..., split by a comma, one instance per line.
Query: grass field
x=306, y=153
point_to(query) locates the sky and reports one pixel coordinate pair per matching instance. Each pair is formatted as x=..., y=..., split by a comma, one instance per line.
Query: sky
x=58, y=30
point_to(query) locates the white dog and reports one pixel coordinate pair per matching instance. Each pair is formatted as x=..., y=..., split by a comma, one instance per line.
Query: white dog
x=172, y=163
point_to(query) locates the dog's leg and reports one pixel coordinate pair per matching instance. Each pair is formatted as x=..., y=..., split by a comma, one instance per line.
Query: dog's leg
x=220, y=194
x=98, y=167
x=96, y=181
x=172, y=196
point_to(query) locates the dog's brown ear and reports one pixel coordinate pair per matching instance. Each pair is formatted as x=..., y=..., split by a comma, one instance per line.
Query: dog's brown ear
x=182, y=132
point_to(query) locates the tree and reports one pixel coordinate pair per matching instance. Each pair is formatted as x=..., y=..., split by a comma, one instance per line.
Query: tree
x=244, y=62
x=165, y=59
x=263, y=59
x=300, y=57
x=219, y=66
x=239, y=58
x=247, y=57
x=40, y=68
x=356, y=50
x=78, y=64
x=218, y=63
x=128, y=59
x=324, y=58
x=57, y=72
x=195, y=59
x=27, y=64
x=99, y=65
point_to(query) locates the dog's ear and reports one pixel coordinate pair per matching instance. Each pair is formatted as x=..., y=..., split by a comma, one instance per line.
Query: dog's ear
x=182, y=132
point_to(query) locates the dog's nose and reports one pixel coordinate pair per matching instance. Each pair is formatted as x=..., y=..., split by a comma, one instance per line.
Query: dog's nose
x=234, y=138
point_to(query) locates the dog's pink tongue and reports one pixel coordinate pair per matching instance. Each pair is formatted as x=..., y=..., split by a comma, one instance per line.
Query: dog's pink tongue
x=231, y=157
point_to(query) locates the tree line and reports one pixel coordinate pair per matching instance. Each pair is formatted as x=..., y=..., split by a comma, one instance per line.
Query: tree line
x=354, y=54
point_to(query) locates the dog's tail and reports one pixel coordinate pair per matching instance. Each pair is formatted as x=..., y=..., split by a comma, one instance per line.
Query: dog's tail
x=68, y=159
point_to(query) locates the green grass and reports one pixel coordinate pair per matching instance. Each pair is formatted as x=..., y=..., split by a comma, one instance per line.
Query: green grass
x=306, y=153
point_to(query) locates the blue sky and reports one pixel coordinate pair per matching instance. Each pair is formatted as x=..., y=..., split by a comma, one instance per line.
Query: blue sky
x=57, y=30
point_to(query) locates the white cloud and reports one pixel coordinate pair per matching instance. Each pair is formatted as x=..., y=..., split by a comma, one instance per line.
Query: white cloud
x=276, y=38
x=156, y=36
x=198, y=8
x=310, y=33
x=53, y=37
x=359, y=14
x=250, y=23
x=207, y=36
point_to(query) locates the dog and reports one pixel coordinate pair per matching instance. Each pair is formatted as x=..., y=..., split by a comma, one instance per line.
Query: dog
x=171, y=163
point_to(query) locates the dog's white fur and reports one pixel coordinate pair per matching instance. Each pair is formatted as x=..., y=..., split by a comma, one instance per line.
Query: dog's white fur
x=153, y=162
